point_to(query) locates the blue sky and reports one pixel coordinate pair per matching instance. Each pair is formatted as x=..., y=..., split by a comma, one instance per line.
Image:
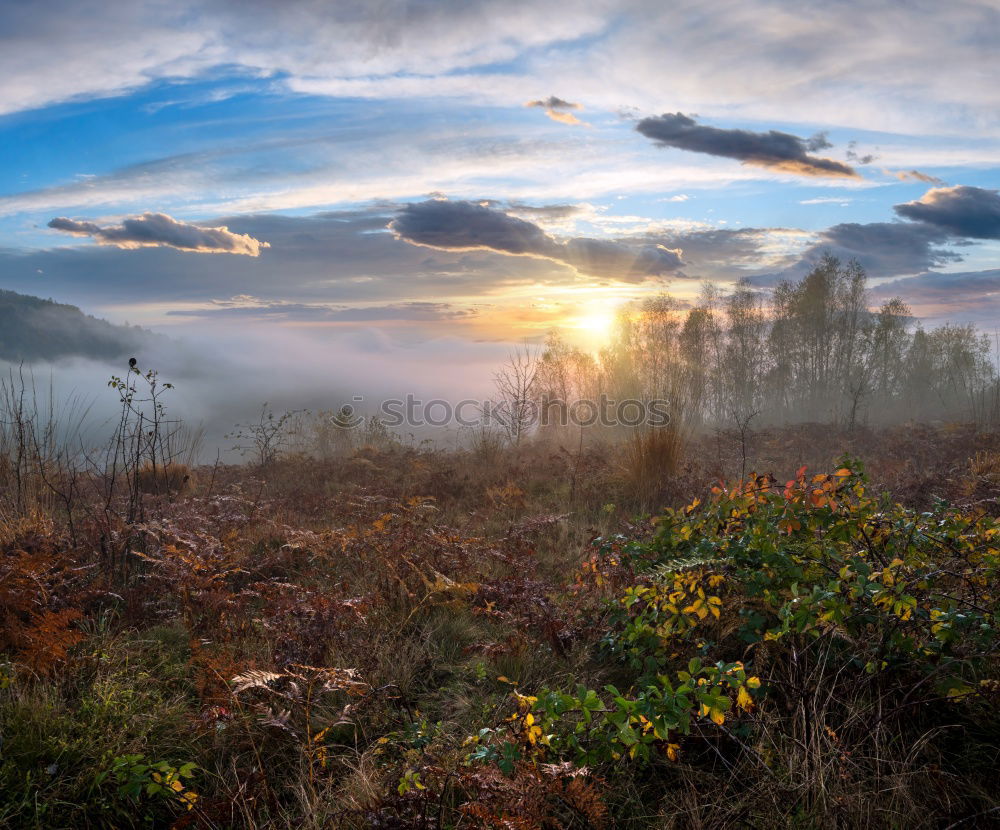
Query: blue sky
x=670, y=143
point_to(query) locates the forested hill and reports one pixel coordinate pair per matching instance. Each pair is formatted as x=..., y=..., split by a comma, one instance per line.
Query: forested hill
x=33, y=329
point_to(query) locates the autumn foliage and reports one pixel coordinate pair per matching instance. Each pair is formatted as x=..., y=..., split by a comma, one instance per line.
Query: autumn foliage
x=406, y=638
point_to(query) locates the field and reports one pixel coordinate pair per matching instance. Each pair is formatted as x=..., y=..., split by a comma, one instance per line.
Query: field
x=785, y=628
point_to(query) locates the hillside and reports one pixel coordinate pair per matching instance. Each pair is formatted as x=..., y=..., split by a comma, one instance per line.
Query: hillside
x=33, y=329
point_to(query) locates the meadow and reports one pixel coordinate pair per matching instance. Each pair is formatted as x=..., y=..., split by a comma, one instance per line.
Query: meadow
x=720, y=621
x=508, y=637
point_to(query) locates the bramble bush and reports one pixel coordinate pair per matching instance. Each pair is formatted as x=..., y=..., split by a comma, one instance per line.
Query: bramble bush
x=813, y=614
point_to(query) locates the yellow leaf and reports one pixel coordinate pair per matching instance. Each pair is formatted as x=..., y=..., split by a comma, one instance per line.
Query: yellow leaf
x=743, y=699
x=715, y=714
x=672, y=751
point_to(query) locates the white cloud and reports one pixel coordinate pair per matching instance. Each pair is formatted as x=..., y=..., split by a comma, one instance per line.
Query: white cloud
x=827, y=200
x=921, y=68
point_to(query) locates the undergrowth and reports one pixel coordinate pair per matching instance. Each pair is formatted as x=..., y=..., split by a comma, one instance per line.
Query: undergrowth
x=409, y=639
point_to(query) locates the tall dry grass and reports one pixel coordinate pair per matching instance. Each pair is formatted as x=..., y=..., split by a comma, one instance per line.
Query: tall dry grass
x=650, y=458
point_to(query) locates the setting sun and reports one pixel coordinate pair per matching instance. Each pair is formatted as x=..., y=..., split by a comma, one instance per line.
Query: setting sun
x=595, y=325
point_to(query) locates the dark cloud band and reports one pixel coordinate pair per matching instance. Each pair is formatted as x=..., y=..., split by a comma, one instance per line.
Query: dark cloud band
x=468, y=226
x=971, y=212
x=774, y=150
x=157, y=229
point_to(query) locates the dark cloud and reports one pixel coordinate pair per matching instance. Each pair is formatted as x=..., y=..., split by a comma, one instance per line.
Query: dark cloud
x=853, y=155
x=885, y=249
x=470, y=226
x=971, y=212
x=553, y=103
x=557, y=109
x=818, y=142
x=550, y=212
x=774, y=150
x=339, y=257
x=159, y=230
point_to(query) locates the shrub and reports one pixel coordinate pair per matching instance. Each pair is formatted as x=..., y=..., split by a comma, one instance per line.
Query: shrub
x=817, y=635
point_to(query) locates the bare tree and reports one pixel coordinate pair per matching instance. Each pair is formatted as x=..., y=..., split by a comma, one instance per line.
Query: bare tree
x=516, y=383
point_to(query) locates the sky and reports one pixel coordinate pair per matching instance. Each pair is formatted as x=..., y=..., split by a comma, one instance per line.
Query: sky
x=342, y=190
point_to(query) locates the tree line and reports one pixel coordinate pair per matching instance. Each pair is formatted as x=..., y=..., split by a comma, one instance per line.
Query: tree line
x=813, y=350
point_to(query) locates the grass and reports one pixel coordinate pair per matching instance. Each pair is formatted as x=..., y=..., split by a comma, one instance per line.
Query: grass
x=449, y=586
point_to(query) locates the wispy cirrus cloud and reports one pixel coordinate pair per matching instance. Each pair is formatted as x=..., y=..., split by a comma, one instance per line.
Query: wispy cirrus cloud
x=249, y=307
x=827, y=200
x=774, y=150
x=915, y=176
x=471, y=226
x=153, y=230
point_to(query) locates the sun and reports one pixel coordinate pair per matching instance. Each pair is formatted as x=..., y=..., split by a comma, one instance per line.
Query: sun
x=595, y=325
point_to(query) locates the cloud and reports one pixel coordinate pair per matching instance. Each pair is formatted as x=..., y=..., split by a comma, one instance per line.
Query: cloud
x=726, y=254
x=773, y=149
x=755, y=60
x=159, y=230
x=884, y=249
x=471, y=226
x=116, y=46
x=852, y=154
x=971, y=212
x=827, y=200
x=960, y=289
x=249, y=307
x=468, y=226
x=915, y=176
x=557, y=109
x=336, y=257
x=615, y=260
x=963, y=296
